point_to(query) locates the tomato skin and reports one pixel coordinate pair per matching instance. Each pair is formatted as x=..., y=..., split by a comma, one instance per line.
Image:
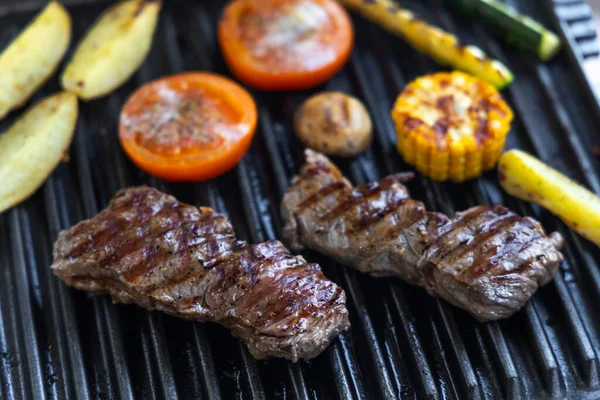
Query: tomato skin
x=250, y=72
x=185, y=172
x=205, y=164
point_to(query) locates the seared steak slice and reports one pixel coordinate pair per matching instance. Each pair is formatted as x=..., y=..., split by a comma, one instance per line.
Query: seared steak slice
x=149, y=249
x=487, y=260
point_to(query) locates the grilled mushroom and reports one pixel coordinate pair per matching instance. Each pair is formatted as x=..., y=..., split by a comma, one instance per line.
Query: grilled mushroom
x=334, y=123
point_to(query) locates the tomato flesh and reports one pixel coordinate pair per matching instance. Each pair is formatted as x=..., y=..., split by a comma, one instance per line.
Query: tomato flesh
x=188, y=127
x=285, y=44
x=294, y=37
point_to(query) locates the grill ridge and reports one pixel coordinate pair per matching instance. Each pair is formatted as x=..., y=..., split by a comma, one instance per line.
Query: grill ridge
x=251, y=209
x=356, y=299
x=107, y=325
x=394, y=348
x=69, y=353
x=340, y=355
x=377, y=108
x=424, y=374
x=205, y=356
x=12, y=332
x=468, y=379
x=21, y=241
x=175, y=64
x=587, y=356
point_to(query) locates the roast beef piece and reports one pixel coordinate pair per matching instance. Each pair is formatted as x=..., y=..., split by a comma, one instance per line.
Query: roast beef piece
x=487, y=260
x=149, y=249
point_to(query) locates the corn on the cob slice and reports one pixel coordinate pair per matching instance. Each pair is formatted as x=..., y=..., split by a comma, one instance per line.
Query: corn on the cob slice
x=451, y=125
x=436, y=43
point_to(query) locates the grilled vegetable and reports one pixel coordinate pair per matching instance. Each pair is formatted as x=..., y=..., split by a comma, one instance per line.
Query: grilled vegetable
x=517, y=28
x=34, y=145
x=432, y=41
x=527, y=178
x=33, y=56
x=451, y=125
x=285, y=45
x=188, y=127
x=112, y=50
x=334, y=123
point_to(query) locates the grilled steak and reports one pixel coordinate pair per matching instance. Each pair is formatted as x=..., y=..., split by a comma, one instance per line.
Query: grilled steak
x=487, y=260
x=149, y=249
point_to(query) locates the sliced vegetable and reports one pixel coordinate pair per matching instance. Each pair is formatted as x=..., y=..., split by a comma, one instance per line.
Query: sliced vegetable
x=34, y=145
x=112, y=50
x=514, y=26
x=451, y=125
x=33, y=56
x=285, y=44
x=432, y=41
x=527, y=178
x=334, y=123
x=188, y=127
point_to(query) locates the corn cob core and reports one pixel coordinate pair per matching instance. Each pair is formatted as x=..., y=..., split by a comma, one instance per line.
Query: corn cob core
x=451, y=125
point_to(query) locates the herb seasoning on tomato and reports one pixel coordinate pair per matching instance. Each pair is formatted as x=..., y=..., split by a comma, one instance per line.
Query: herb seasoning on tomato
x=188, y=127
x=285, y=44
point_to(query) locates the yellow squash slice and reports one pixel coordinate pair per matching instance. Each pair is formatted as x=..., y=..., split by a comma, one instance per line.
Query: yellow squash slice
x=112, y=50
x=527, y=178
x=33, y=56
x=432, y=41
x=34, y=145
x=451, y=125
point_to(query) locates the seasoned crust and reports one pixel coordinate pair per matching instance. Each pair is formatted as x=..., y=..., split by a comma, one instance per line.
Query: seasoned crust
x=487, y=260
x=149, y=249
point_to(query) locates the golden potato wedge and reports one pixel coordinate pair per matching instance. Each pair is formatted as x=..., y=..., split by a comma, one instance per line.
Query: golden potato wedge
x=33, y=56
x=34, y=145
x=527, y=178
x=112, y=50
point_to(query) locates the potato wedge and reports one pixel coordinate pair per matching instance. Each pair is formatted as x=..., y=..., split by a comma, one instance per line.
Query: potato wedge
x=34, y=145
x=33, y=56
x=527, y=178
x=112, y=50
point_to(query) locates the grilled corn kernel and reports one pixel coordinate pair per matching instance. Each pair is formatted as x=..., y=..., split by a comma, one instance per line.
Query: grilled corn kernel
x=451, y=125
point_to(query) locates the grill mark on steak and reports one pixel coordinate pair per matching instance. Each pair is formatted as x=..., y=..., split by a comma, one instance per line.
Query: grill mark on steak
x=480, y=236
x=497, y=253
x=323, y=192
x=487, y=260
x=170, y=248
x=482, y=264
x=361, y=194
x=368, y=220
x=149, y=249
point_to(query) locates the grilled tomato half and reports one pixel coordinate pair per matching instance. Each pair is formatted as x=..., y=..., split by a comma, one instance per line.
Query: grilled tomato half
x=285, y=44
x=451, y=125
x=188, y=127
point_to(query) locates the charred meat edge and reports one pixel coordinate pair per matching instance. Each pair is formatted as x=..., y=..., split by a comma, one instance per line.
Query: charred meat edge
x=149, y=249
x=486, y=260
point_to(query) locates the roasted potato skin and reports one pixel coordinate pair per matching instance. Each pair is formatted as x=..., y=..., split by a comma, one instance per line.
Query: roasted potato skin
x=112, y=50
x=34, y=145
x=527, y=178
x=334, y=123
x=33, y=56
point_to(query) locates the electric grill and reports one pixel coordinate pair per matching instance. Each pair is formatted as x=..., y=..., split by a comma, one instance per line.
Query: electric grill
x=59, y=343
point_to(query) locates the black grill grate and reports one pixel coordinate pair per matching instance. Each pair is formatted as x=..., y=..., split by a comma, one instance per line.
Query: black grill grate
x=59, y=343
